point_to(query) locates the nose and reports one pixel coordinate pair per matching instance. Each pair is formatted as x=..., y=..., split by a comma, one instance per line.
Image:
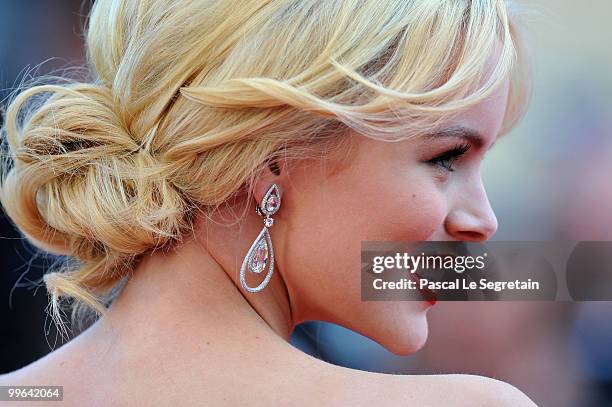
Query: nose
x=471, y=218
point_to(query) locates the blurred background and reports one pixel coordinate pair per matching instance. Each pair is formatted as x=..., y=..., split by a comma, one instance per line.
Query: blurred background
x=550, y=179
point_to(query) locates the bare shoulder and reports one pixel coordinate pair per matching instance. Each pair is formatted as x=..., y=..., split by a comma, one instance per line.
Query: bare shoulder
x=484, y=391
x=434, y=390
x=64, y=364
x=42, y=371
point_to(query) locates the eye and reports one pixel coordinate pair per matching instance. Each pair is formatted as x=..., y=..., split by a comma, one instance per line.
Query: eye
x=447, y=158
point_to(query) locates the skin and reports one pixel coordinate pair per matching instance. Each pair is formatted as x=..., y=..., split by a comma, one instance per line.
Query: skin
x=183, y=328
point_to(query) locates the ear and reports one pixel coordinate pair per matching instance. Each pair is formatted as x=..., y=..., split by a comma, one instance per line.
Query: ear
x=274, y=172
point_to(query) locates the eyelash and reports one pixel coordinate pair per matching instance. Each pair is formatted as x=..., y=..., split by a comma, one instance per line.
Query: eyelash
x=447, y=159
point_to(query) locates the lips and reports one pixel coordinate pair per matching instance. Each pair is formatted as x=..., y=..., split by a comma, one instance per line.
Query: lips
x=427, y=294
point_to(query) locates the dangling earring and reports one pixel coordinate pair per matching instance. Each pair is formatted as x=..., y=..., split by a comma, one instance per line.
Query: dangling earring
x=261, y=252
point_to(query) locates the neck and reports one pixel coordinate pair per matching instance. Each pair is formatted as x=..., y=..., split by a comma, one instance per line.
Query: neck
x=195, y=287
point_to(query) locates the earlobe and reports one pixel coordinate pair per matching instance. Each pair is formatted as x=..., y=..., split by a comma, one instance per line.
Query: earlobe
x=271, y=201
x=270, y=173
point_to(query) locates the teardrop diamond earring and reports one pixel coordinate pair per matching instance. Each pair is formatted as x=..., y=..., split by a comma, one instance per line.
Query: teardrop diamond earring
x=261, y=252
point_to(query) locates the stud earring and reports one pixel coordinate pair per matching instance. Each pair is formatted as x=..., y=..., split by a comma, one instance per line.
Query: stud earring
x=261, y=252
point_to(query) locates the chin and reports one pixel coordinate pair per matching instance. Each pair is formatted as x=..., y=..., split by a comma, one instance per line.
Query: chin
x=408, y=339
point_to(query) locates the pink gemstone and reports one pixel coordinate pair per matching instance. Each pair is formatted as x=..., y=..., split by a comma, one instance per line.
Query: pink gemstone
x=272, y=203
x=260, y=257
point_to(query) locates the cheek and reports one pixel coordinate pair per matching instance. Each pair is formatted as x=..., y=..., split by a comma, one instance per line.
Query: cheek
x=414, y=210
x=402, y=203
x=325, y=220
x=387, y=204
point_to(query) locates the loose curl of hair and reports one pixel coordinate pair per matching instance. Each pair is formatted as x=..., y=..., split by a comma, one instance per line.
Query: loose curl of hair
x=190, y=98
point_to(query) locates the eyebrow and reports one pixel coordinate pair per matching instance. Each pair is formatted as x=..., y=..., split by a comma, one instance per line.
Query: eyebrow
x=471, y=135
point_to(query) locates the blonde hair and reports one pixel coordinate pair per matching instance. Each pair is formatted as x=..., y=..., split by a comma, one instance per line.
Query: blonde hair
x=192, y=97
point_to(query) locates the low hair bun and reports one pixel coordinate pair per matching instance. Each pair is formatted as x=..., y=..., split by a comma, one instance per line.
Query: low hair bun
x=80, y=185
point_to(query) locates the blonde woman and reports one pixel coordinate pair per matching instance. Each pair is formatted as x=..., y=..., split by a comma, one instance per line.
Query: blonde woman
x=213, y=183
